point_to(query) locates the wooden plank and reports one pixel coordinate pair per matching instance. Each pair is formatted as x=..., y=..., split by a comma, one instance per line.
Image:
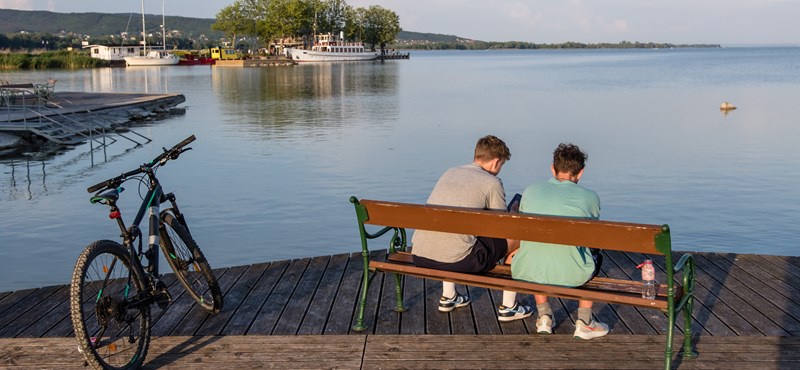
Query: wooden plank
x=388, y=320
x=196, y=316
x=39, y=312
x=240, y=322
x=214, y=324
x=780, y=280
x=317, y=315
x=346, y=302
x=768, y=292
x=412, y=321
x=509, y=327
x=708, y=307
x=164, y=321
x=739, y=297
x=778, y=264
x=9, y=319
x=292, y=316
x=435, y=322
x=484, y=310
x=548, y=229
x=601, y=283
x=461, y=319
x=502, y=283
x=617, y=265
x=270, y=312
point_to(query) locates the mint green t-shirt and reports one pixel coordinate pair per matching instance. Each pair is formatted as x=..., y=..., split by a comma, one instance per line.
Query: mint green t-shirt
x=551, y=263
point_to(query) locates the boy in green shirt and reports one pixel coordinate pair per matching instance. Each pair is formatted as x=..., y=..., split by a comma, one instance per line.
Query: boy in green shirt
x=556, y=264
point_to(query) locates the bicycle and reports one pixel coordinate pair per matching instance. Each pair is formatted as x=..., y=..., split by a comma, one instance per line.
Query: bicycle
x=114, y=285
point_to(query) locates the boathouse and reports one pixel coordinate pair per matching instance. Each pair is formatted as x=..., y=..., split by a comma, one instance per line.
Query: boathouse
x=114, y=52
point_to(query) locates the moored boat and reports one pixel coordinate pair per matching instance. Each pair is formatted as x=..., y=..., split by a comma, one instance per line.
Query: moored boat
x=153, y=57
x=330, y=48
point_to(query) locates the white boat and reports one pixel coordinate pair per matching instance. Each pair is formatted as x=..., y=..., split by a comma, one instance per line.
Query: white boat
x=329, y=48
x=153, y=57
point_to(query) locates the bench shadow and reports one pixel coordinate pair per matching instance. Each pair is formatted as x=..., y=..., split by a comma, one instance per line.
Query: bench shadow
x=180, y=350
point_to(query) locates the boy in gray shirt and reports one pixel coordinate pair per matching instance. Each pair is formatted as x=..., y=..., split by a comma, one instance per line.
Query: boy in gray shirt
x=473, y=185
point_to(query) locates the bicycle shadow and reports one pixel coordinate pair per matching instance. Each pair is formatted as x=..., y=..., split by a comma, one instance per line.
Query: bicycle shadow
x=180, y=350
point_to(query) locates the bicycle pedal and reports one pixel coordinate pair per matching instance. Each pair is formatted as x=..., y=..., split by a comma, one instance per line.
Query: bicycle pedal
x=163, y=298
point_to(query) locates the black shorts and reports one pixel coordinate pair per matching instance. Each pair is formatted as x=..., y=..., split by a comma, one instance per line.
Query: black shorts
x=484, y=256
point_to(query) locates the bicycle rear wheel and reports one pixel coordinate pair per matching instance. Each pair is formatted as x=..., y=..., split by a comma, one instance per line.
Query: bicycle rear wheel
x=112, y=329
x=190, y=266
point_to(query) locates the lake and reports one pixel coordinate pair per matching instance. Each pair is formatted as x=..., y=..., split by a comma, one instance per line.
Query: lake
x=280, y=150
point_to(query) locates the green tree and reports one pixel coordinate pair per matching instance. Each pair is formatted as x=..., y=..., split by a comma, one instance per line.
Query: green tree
x=234, y=20
x=381, y=25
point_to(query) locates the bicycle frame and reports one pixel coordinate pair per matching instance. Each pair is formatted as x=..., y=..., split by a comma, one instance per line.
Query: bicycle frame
x=151, y=207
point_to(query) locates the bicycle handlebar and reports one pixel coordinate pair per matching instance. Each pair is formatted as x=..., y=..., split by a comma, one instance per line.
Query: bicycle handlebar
x=160, y=160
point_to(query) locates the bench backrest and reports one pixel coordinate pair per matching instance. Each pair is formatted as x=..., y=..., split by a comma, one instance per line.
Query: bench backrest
x=609, y=235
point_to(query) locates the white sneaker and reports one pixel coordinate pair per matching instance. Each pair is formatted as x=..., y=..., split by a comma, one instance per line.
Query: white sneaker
x=516, y=312
x=545, y=324
x=588, y=331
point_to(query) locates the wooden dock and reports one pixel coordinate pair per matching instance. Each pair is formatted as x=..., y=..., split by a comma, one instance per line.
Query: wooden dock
x=747, y=315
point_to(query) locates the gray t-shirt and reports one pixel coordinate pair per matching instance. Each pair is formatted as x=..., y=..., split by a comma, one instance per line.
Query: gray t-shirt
x=467, y=186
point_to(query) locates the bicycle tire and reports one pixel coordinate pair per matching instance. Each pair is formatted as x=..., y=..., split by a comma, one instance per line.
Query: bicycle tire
x=110, y=334
x=189, y=264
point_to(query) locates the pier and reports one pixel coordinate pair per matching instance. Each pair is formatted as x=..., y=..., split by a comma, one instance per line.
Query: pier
x=70, y=118
x=298, y=314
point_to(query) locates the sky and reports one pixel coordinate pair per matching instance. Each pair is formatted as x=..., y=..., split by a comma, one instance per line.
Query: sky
x=726, y=22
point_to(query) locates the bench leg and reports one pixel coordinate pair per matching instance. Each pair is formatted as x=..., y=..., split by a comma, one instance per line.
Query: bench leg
x=362, y=302
x=398, y=280
x=670, y=332
x=688, y=352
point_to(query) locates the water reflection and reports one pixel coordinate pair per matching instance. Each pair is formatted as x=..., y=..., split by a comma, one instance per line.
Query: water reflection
x=26, y=178
x=312, y=97
x=153, y=79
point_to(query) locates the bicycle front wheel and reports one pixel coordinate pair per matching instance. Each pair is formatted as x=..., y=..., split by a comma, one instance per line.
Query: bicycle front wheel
x=190, y=266
x=112, y=327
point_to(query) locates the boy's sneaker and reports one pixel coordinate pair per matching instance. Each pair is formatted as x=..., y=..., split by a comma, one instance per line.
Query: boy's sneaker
x=589, y=331
x=545, y=324
x=516, y=312
x=449, y=304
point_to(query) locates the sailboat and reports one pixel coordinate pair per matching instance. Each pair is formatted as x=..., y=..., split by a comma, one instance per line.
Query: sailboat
x=153, y=57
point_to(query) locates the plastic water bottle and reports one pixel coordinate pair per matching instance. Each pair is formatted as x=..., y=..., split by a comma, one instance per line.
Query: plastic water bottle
x=648, y=280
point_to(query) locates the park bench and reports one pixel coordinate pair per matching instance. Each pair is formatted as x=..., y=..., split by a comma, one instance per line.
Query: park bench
x=672, y=298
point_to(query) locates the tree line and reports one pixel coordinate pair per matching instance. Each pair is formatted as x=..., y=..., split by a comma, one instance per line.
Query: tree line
x=277, y=21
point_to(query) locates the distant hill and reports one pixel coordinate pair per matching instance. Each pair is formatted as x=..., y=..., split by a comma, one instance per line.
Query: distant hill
x=100, y=24
x=103, y=24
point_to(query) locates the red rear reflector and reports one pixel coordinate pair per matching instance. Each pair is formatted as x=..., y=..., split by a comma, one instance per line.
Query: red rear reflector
x=114, y=215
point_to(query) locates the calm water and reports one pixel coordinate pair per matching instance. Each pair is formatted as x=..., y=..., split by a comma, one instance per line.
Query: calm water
x=280, y=150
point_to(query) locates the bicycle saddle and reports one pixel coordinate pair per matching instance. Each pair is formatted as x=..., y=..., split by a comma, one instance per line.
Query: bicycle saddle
x=110, y=195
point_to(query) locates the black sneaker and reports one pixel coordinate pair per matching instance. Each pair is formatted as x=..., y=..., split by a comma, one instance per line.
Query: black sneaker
x=449, y=304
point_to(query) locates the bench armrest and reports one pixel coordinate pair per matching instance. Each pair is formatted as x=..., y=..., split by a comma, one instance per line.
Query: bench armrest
x=686, y=266
x=398, y=241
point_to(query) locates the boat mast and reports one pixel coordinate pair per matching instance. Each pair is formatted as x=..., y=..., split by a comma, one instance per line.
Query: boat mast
x=163, y=30
x=144, y=31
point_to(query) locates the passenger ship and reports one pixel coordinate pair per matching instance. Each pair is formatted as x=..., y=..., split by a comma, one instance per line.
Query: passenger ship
x=329, y=48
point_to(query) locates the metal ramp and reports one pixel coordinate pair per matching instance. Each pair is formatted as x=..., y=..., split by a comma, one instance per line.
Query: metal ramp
x=77, y=127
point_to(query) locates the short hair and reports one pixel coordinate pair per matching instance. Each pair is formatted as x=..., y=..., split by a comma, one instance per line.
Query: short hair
x=490, y=147
x=569, y=158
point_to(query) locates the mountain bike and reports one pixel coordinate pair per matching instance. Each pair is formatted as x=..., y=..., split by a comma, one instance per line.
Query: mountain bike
x=114, y=285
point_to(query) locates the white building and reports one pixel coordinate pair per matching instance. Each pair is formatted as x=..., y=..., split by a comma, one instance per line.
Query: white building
x=115, y=52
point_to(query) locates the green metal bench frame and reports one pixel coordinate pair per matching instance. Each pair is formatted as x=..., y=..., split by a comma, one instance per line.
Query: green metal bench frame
x=627, y=237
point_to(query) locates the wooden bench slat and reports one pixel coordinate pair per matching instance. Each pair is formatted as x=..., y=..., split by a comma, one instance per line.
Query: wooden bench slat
x=499, y=283
x=621, y=236
x=598, y=283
